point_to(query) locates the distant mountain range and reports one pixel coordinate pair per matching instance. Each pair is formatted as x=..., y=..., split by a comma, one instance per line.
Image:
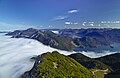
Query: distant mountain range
x=3, y=32
x=74, y=39
x=46, y=37
x=94, y=39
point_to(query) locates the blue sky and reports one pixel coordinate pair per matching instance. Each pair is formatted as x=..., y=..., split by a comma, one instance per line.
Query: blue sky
x=19, y=14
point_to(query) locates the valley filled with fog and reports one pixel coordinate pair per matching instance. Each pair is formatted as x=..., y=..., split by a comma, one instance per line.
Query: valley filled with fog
x=16, y=54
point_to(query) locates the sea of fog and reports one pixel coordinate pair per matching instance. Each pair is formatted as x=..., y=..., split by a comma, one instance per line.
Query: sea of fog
x=15, y=54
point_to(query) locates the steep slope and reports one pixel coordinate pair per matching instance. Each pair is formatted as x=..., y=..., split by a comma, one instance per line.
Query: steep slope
x=101, y=65
x=55, y=65
x=89, y=63
x=114, y=74
x=112, y=60
x=46, y=37
x=92, y=40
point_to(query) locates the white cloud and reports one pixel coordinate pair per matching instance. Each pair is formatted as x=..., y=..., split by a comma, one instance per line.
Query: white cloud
x=60, y=17
x=41, y=26
x=73, y=11
x=117, y=21
x=83, y=24
x=75, y=23
x=91, y=24
x=99, y=25
x=56, y=32
x=50, y=26
x=67, y=23
x=97, y=54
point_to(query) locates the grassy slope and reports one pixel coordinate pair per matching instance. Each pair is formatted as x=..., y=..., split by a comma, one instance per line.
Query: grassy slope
x=66, y=67
x=99, y=74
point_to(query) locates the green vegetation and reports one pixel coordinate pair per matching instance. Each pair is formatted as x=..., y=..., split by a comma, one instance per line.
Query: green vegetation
x=98, y=73
x=55, y=65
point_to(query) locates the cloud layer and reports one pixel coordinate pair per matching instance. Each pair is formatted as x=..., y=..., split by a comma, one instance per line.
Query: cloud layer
x=15, y=55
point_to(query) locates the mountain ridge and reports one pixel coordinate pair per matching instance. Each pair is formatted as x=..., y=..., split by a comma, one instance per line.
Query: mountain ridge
x=55, y=65
x=74, y=39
